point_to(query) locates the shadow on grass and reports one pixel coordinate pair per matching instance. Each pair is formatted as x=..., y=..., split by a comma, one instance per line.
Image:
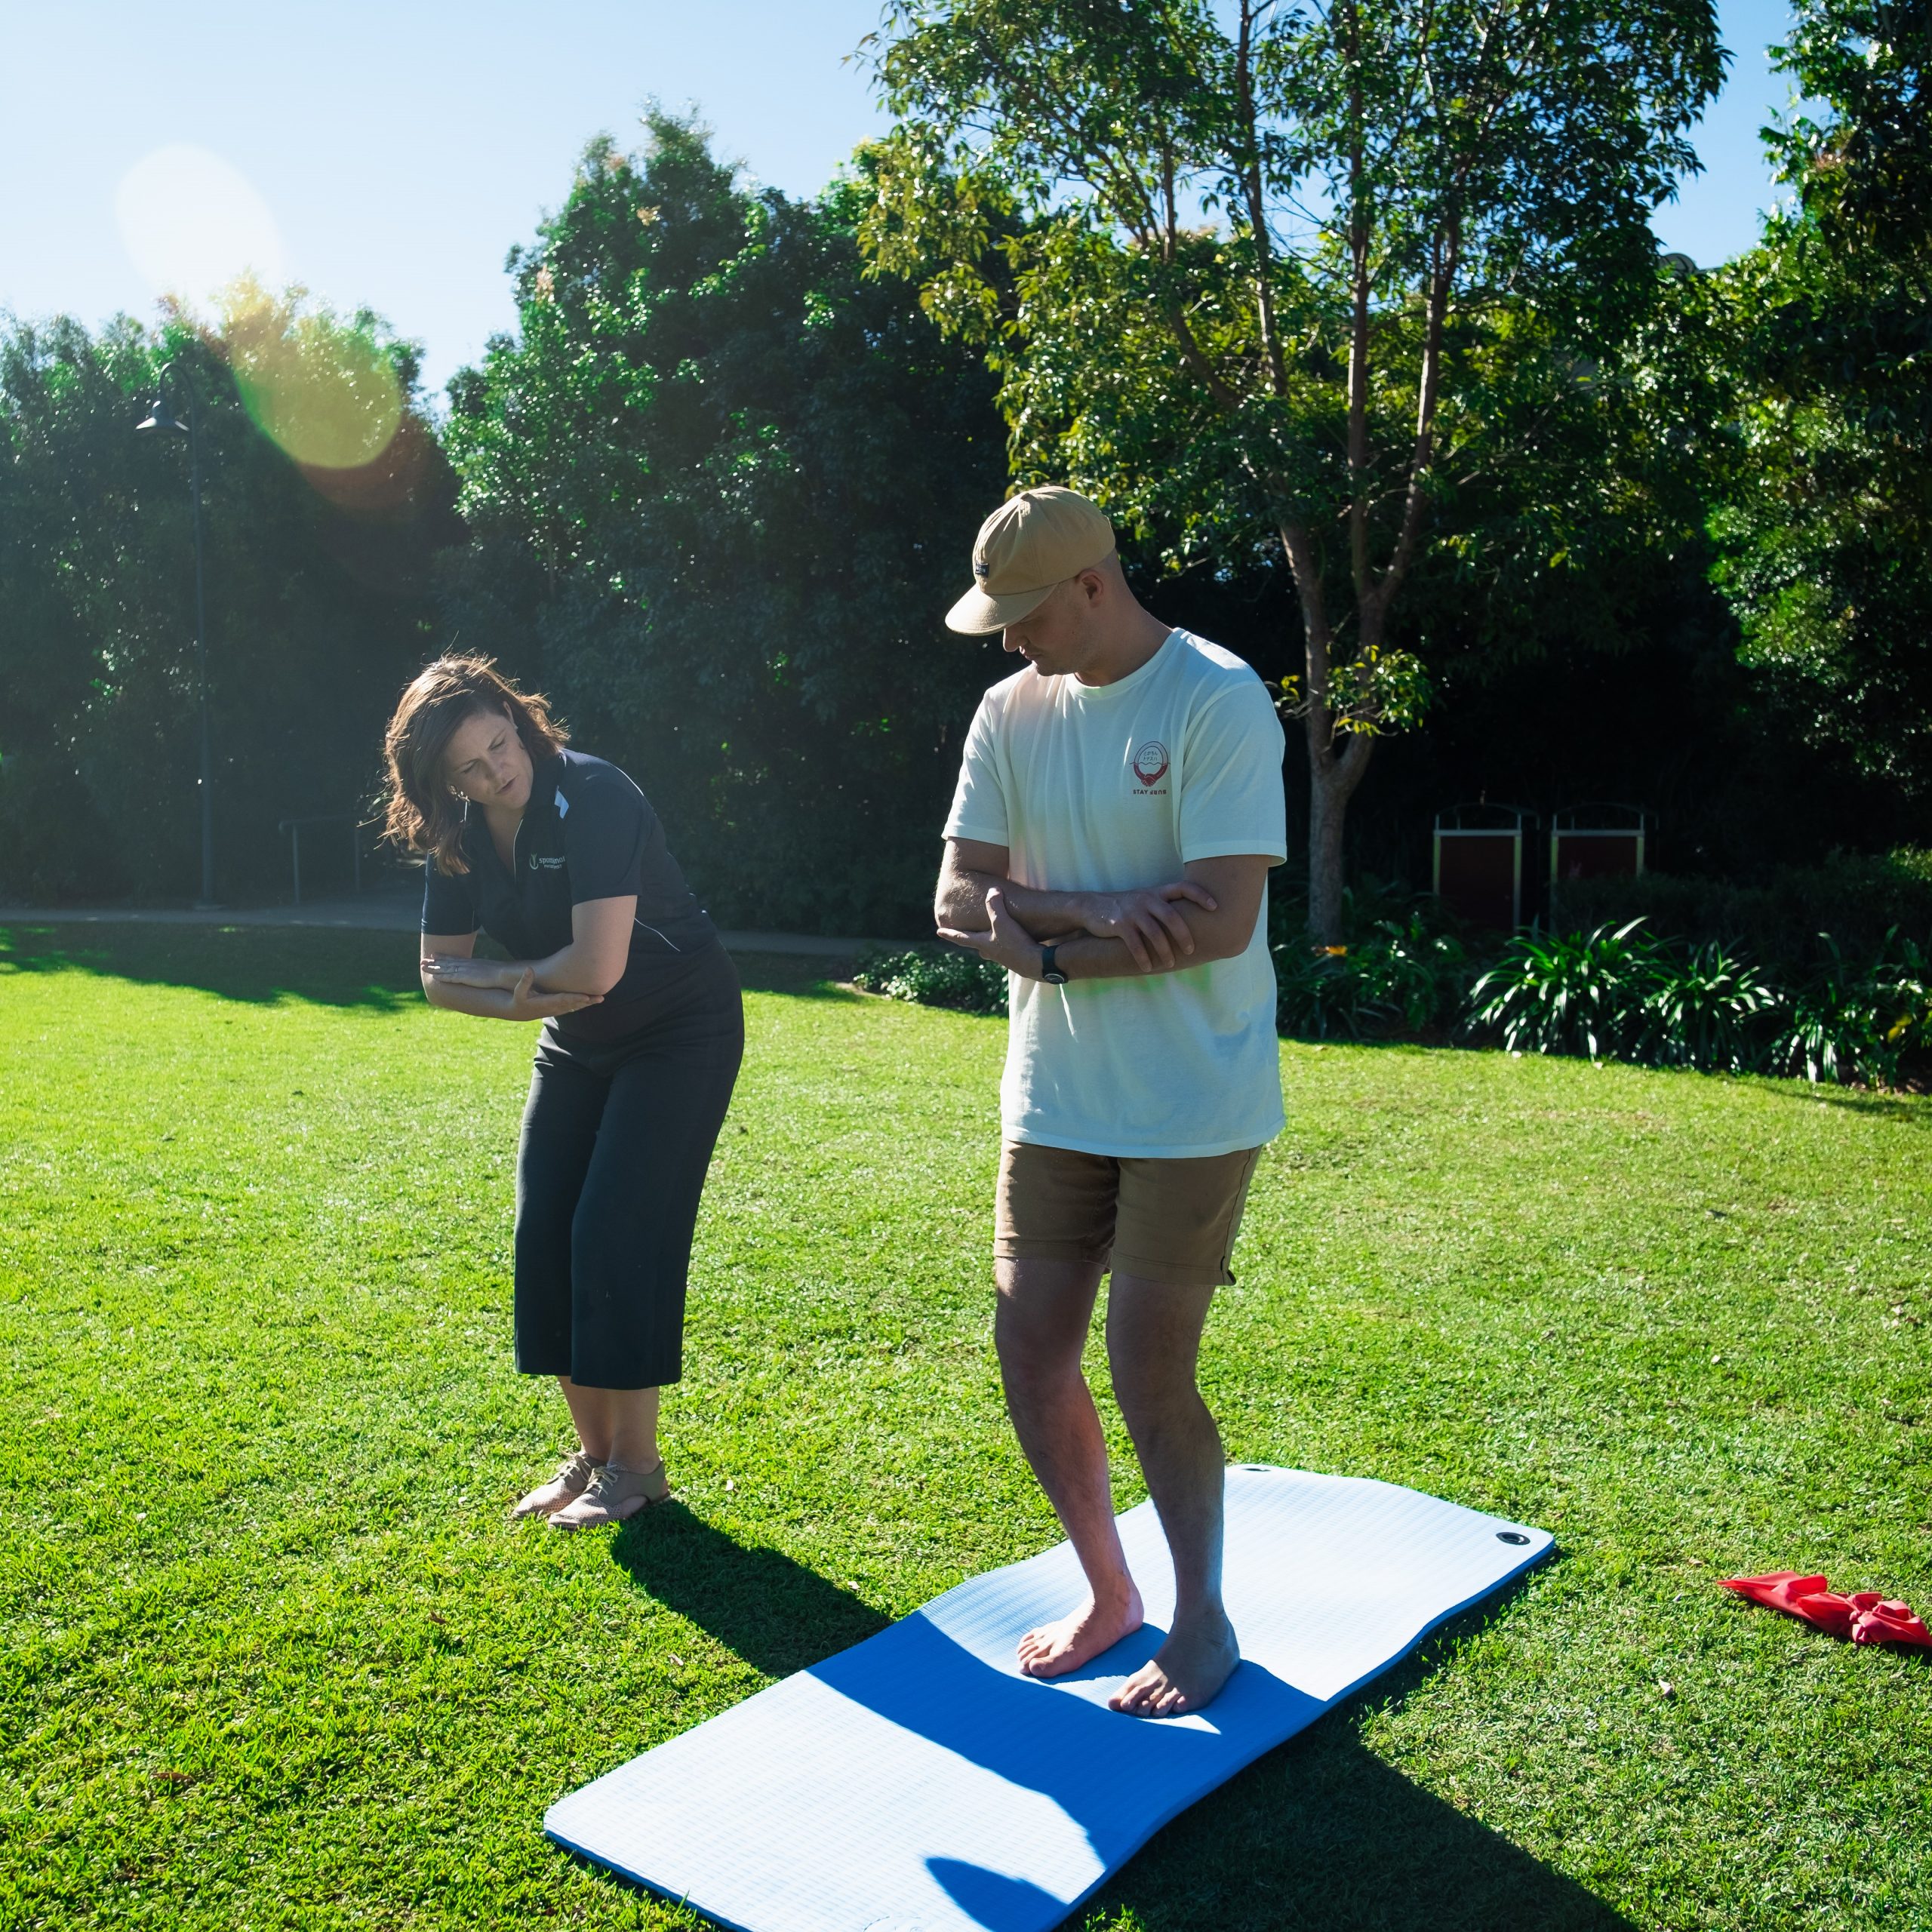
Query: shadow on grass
x=260, y=964
x=802, y=976
x=1915, y=1108
x=760, y=1604
x=1322, y=1833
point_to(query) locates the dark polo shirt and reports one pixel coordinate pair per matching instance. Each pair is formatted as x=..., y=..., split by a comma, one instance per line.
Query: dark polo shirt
x=588, y=832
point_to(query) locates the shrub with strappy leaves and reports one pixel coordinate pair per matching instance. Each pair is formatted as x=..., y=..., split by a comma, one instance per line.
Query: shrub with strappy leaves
x=1589, y=994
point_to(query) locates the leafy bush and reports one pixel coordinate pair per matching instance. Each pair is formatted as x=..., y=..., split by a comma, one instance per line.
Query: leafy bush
x=1572, y=993
x=1780, y=918
x=1617, y=992
x=1401, y=977
x=1843, y=1024
x=1707, y=1009
x=936, y=976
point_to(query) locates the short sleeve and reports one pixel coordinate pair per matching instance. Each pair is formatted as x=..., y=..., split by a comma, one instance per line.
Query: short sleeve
x=607, y=828
x=1231, y=795
x=447, y=905
x=979, y=804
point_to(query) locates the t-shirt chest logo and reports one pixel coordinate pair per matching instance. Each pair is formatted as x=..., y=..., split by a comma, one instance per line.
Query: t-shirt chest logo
x=549, y=865
x=1150, y=764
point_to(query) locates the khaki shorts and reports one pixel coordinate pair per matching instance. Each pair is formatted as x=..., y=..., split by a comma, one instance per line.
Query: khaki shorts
x=1172, y=1221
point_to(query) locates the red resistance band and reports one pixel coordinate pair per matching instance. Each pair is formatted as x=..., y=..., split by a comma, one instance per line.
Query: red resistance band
x=1864, y=1617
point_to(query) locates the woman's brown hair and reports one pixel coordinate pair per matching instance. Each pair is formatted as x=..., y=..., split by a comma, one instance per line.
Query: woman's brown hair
x=420, y=811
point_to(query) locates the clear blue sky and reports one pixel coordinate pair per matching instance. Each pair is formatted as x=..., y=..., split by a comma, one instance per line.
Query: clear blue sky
x=398, y=150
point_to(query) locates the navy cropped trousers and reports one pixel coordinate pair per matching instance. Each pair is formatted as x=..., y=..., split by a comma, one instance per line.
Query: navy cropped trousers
x=617, y=1136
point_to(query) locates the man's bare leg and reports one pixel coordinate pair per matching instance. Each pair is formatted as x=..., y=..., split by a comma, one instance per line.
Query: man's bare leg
x=1040, y=1328
x=1153, y=1344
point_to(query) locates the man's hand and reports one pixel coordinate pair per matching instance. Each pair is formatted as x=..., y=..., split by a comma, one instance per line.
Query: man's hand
x=1144, y=920
x=1009, y=944
x=527, y=1003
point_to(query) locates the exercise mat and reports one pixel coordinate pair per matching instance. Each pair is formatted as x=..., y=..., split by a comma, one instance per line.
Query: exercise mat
x=917, y=1783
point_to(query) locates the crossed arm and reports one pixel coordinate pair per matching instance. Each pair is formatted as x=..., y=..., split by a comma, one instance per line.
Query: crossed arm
x=1207, y=913
x=576, y=975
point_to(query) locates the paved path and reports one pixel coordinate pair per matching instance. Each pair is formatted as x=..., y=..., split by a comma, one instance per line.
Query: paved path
x=373, y=912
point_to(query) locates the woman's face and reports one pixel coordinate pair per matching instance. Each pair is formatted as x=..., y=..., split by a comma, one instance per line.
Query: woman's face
x=486, y=762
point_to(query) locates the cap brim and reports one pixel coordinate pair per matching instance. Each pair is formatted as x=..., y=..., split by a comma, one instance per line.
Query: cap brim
x=975, y=613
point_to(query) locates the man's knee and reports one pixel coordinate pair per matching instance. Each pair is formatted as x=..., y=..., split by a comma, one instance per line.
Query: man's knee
x=1037, y=1370
x=1152, y=1384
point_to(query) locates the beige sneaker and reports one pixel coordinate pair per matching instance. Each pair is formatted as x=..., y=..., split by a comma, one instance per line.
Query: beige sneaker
x=566, y=1486
x=611, y=1496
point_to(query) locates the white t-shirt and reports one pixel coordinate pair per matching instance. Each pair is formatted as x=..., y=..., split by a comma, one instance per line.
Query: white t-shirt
x=1105, y=787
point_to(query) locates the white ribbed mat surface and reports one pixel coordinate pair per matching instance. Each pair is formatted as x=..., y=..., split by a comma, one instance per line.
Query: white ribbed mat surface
x=917, y=1783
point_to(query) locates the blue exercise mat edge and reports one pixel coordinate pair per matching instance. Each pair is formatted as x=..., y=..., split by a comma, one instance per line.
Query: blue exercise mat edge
x=1536, y=1546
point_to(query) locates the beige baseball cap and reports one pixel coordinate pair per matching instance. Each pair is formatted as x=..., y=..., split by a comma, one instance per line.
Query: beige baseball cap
x=1033, y=542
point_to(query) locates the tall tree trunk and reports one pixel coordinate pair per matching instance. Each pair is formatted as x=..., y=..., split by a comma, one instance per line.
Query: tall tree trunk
x=1332, y=776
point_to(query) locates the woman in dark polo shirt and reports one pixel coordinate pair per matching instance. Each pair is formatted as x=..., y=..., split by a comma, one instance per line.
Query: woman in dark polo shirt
x=561, y=860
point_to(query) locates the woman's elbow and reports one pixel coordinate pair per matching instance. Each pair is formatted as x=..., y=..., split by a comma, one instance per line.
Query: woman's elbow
x=599, y=975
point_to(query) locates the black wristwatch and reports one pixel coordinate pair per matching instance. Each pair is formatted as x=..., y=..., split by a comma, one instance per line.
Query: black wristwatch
x=1049, y=972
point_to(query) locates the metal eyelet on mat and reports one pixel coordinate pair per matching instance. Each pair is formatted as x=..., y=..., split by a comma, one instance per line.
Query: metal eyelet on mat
x=1511, y=1536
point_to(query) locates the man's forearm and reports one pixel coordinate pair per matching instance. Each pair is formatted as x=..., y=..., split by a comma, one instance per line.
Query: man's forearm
x=1047, y=915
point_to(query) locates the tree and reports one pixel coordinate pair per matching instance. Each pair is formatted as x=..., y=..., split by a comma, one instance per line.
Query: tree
x=318, y=588
x=723, y=488
x=1264, y=284
x=1825, y=523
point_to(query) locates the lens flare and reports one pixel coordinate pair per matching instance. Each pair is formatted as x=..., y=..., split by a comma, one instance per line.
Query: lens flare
x=323, y=390
x=192, y=224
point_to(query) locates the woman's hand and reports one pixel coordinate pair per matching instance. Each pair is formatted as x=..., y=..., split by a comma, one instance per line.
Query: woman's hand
x=527, y=1003
x=453, y=970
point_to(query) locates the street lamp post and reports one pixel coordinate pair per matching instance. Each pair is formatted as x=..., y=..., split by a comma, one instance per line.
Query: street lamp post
x=164, y=417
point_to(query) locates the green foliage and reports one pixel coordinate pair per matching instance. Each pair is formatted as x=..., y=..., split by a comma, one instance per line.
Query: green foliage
x=1571, y=993
x=1619, y=993
x=1707, y=1010
x=1846, y=1023
x=1825, y=522
x=722, y=488
x=1303, y=283
x=936, y=976
x=1779, y=917
x=318, y=606
x=1401, y=977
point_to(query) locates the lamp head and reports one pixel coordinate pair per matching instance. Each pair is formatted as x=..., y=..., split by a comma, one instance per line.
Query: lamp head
x=164, y=416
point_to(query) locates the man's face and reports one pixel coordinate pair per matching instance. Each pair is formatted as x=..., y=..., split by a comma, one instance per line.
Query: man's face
x=487, y=763
x=1055, y=636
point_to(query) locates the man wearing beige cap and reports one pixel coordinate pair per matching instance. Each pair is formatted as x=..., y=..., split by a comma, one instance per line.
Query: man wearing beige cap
x=1119, y=806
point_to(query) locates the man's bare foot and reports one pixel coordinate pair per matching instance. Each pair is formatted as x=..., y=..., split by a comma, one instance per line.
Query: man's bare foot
x=1054, y=1649
x=1185, y=1672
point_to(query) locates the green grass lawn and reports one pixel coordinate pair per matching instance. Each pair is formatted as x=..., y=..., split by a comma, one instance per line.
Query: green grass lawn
x=271, y=1656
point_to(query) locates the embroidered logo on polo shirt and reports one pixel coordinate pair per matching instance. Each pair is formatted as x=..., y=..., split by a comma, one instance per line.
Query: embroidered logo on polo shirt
x=1150, y=762
x=550, y=864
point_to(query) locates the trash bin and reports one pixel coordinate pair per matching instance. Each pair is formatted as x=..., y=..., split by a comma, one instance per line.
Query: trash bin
x=1597, y=841
x=1478, y=870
